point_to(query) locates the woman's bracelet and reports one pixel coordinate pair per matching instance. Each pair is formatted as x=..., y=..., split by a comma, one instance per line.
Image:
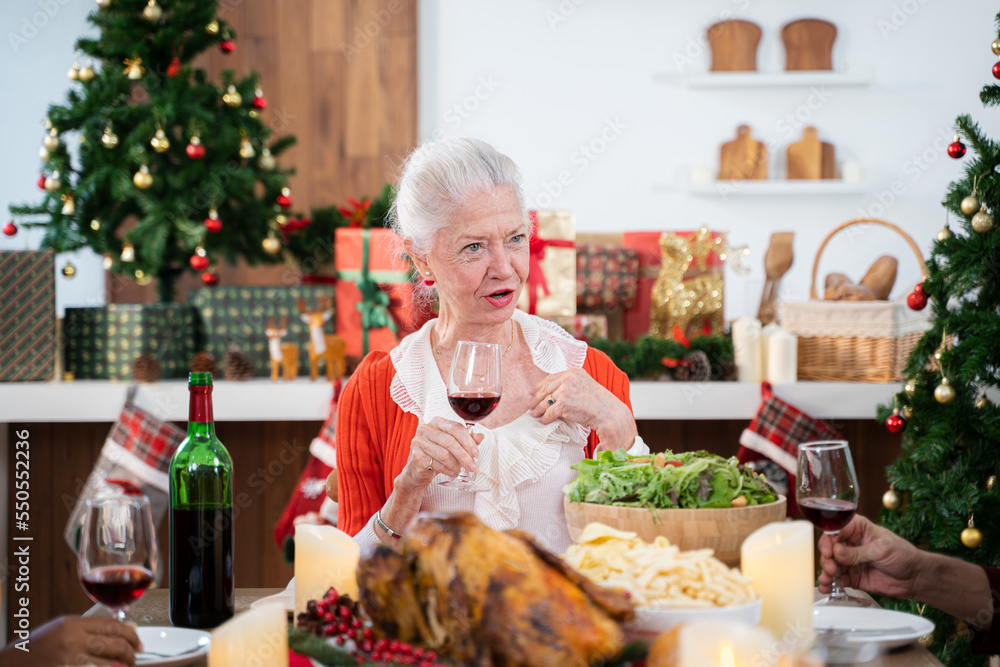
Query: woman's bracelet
x=388, y=531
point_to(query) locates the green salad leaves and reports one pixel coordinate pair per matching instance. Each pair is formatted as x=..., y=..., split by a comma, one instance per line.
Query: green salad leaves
x=687, y=480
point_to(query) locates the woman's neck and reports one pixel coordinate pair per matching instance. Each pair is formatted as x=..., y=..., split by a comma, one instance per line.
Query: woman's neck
x=448, y=331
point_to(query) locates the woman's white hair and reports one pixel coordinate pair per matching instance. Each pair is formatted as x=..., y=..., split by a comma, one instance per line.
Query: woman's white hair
x=438, y=178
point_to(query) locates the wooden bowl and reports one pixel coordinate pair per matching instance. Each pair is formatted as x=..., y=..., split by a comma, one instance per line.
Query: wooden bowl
x=720, y=529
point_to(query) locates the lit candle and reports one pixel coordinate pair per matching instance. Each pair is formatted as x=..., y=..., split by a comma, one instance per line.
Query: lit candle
x=746, y=347
x=782, y=357
x=716, y=644
x=324, y=557
x=254, y=638
x=778, y=558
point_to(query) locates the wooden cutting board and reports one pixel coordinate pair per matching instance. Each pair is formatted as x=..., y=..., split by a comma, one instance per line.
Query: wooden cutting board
x=809, y=44
x=811, y=159
x=734, y=46
x=744, y=158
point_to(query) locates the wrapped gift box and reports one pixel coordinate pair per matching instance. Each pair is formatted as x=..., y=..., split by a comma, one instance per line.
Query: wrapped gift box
x=27, y=316
x=584, y=327
x=101, y=343
x=238, y=316
x=551, y=287
x=607, y=277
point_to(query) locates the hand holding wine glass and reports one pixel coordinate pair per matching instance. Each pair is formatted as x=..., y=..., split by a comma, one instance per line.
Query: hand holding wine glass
x=118, y=556
x=474, y=386
x=827, y=494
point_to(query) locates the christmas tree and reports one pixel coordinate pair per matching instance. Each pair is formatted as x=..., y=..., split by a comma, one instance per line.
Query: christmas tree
x=951, y=430
x=148, y=162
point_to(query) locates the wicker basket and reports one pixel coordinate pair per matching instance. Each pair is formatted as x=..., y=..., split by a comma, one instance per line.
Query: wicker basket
x=854, y=341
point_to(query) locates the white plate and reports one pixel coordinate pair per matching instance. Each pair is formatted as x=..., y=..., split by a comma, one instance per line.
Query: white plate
x=650, y=622
x=870, y=624
x=171, y=642
x=285, y=597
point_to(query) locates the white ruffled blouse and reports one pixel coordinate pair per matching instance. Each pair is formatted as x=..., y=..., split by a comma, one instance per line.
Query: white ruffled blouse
x=524, y=464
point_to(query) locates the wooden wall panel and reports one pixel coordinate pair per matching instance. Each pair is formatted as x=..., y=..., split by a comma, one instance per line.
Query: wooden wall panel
x=341, y=75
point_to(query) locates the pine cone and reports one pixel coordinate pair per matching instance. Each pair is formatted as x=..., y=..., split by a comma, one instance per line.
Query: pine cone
x=696, y=368
x=146, y=368
x=238, y=365
x=203, y=362
x=727, y=371
x=351, y=364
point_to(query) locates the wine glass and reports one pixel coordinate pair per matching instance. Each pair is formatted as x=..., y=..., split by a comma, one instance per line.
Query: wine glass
x=827, y=494
x=473, y=392
x=118, y=554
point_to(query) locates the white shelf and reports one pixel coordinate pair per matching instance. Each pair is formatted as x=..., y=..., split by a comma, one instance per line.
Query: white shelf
x=852, y=76
x=766, y=188
x=301, y=400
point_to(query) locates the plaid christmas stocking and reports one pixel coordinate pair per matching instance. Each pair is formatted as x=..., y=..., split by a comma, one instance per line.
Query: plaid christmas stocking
x=775, y=435
x=135, y=457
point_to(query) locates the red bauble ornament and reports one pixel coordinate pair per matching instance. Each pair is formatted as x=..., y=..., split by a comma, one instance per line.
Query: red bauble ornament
x=41, y=182
x=213, y=225
x=259, y=102
x=199, y=262
x=174, y=67
x=210, y=278
x=10, y=228
x=195, y=150
x=285, y=198
x=895, y=423
x=996, y=71
x=227, y=45
x=956, y=149
x=917, y=300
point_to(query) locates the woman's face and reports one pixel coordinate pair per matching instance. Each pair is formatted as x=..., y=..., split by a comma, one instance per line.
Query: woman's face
x=480, y=259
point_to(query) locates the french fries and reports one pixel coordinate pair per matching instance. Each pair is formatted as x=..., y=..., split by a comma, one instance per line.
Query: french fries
x=657, y=575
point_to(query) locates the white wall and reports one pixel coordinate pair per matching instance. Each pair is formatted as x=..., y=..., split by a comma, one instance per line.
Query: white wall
x=558, y=72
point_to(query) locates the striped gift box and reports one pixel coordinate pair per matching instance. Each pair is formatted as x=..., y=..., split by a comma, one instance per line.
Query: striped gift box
x=27, y=316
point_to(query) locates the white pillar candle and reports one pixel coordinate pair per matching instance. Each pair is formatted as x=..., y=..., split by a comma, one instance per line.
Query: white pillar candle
x=765, y=343
x=324, y=557
x=725, y=644
x=746, y=347
x=254, y=638
x=850, y=171
x=782, y=357
x=701, y=175
x=778, y=558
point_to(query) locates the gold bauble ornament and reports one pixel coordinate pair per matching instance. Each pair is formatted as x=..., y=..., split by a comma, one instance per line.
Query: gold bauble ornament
x=142, y=178
x=281, y=220
x=996, y=46
x=926, y=640
x=86, y=73
x=43, y=153
x=910, y=388
x=74, y=72
x=133, y=68
x=53, y=182
x=69, y=270
x=107, y=262
x=69, y=207
x=990, y=482
x=983, y=402
x=945, y=234
x=891, y=499
x=972, y=537
x=109, y=139
x=141, y=277
x=52, y=140
x=970, y=205
x=103, y=4
x=266, y=160
x=271, y=245
x=907, y=412
x=212, y=28
x=128, y=252
x=232, y=96
x=152, y=11
x=246, y=149
x=982, y=222
x=95, y=224
x=944, y=393
x=160, y=142
x=252, y=113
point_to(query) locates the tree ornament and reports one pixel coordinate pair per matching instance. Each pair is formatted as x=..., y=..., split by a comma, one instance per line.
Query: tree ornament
x=9, y=229
x=74, y=72
x=107, y=262
x=53, y=183
x=281, y=220
x=141, y=277
x=160, y=142
x=266, y=160
x=199, y=260
x=891, y=500
x=41, y=181
x=87, y=73
x=142, y=178
x=990, y=481
x=133, y=68
x=259, y=101
x=212, y=223
x=995, y=46
x=212, y=28
x=246, y=149
x=895, y=423
x=227, y=45
x=52, y=140
x=946, y=233
x=996, y=71
x=174, y=67
x=210, y=278
x=103, y=4
x=907, y=412
x=970, y=204
x=152, y=12
x=944, y=393
x=285, y=198
x=69, y=207
x=972, y=537
x=232, y=96
x=982, y=222
x=95, y=224
x=128, y=252
x=917, y=300
x=69, y=270
x=194, y=149
x=271, y=245
x=956, y=149
x=984, y=402
x=109, y=139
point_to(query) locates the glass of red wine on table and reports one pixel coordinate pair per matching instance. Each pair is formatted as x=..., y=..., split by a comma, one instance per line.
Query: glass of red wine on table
x=827, y=494
x=474, y=384
x=118, y=554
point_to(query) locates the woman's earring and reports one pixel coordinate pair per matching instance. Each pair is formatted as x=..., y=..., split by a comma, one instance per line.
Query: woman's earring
x=427, y=280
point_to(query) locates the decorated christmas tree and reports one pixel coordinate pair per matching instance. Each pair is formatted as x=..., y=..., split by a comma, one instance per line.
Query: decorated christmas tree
x=151, y=164
x=944, y=496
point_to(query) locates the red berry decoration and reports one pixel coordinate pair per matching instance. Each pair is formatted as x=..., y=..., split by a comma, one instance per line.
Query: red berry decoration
x=956, y=149
x=227, y=45
x=895, y=423
x=10, y=228
x=41, y=182
x=174, y=67
x=199, y=262
x=259, y=102
x=194, y=149
x=917, y=300
x=210, y=278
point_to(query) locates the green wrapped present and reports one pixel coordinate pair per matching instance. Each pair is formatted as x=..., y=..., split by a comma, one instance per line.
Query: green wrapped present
x=101, y=343
x=27, y=316
x=238, y=316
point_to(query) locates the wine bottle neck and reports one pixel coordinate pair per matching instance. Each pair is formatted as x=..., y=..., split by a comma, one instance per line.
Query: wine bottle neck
x=200, y=416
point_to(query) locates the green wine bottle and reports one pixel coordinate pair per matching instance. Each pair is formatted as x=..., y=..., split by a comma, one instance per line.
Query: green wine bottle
x=202, y=585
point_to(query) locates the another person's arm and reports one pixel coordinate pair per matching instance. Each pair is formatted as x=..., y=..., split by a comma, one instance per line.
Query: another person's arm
x=73, y=640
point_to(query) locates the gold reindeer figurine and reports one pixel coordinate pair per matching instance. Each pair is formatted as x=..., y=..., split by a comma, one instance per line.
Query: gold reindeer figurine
x=688, y=303
x=329, y=347
x=284, y=356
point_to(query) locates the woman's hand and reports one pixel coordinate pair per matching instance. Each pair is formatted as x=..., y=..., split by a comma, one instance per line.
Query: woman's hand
x=575, y=397
x=443, y=447
x=872, y=559
x=72, y=640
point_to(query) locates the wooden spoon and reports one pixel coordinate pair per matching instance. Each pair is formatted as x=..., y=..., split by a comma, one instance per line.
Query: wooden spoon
x=777, y=261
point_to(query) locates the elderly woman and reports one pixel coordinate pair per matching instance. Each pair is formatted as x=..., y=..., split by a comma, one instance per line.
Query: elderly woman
x=460, y=213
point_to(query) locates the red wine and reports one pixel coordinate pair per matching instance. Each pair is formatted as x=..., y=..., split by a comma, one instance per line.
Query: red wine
x=202, y=590
x=473, y=406
x=117, y=586
x=827, y=514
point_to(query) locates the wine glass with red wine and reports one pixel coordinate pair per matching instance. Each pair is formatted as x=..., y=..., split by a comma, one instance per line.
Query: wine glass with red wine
x=118, y=554
x=473, y=392
x=827, y=494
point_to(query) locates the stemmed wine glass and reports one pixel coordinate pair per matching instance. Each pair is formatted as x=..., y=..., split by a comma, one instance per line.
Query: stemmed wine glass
x=474, y=384
x=827, y=494
x=118, y=553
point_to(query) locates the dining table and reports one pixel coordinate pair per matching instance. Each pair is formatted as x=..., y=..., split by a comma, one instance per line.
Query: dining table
x=152, y=610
